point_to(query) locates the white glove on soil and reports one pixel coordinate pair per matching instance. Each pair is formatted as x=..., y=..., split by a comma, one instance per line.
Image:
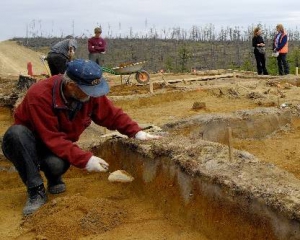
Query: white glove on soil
x=96, y=164
x=141, y=135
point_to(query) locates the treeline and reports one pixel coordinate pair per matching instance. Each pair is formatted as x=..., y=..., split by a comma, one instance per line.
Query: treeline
x=195, y=33
x=179, y=50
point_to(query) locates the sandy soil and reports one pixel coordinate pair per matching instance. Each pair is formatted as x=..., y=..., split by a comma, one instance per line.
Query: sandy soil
x=14, y=59
x=93, y=208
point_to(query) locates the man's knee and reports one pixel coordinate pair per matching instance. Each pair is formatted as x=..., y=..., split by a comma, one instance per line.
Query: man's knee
x=55, y=165
x=16, y=138
x=16, y=135
x=15, y=131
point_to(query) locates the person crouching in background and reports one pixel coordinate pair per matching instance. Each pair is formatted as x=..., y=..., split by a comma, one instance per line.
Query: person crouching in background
x=60, y=54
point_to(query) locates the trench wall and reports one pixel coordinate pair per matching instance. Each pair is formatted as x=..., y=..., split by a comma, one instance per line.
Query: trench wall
x=223, y=205
x=204, y=201
x=256, y=123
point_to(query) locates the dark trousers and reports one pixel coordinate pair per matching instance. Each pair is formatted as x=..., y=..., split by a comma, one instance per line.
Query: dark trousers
x=283, y=66
x=97, y=57
x=261, y=63
x=29, y=156
x=57, y=63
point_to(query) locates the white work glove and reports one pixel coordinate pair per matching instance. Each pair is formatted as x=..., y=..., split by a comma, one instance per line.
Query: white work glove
x=141, y=135
x=96, y=164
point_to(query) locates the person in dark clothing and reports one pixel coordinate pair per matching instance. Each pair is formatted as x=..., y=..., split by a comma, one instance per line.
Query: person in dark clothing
x=60, y=54
x=259, y=51
x=51, y=118
x=280, y=45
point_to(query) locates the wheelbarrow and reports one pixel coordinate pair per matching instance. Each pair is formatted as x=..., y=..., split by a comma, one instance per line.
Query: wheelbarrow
x=141, y=76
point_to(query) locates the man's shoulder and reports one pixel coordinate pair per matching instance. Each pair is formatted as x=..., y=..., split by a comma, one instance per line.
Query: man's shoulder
x=43, y=87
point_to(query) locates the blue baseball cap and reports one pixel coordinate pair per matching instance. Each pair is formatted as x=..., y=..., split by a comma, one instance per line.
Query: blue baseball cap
x=88, y=76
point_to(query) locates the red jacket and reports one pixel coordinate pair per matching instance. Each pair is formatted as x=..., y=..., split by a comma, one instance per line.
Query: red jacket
x=44, y=112
x=96, y=45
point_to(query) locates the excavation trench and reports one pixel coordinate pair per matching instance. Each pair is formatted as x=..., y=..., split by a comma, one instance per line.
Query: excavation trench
x=211, y=202
x=194, y=179
x=258, y=123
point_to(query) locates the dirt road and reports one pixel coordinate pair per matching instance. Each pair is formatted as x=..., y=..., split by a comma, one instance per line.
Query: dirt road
x=14, y=59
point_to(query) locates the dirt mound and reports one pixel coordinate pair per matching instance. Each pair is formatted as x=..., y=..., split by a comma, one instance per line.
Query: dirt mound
x=75, y=216
x=14, y=59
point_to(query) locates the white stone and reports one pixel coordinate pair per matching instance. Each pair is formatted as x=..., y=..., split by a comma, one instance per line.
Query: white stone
x=120, y=176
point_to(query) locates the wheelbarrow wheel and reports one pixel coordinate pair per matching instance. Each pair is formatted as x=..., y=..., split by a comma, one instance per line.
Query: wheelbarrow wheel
x=142, y=77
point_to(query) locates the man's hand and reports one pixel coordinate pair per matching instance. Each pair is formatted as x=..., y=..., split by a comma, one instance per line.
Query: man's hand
x=71, y=53
x=141, y=135
x=96, y=164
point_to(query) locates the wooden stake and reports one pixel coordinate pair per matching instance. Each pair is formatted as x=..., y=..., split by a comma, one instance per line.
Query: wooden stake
x=163, y=78
x=151, y=87
x=230, y=143
x=297, y=71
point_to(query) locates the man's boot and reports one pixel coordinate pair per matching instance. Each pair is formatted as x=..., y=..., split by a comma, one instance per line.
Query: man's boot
x=36, y=198
x=56, y=186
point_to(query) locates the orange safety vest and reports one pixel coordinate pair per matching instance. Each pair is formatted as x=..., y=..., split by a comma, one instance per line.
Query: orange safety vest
x=285, y=48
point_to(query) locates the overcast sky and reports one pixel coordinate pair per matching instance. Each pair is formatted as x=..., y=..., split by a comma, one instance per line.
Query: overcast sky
x=19, y=18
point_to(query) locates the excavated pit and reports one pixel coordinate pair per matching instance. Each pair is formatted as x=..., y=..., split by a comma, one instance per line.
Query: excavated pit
x=195, y=179
x=257, y=123
x=224, y=200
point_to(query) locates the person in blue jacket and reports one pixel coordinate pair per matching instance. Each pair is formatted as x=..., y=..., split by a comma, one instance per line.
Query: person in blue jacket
x=281, y=45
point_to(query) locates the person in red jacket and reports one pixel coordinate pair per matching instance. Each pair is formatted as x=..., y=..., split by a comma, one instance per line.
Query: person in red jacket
x=97, y=47
x=51, y=117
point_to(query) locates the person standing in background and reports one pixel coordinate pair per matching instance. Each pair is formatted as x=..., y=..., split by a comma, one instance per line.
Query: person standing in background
x=60, y=54
x=280, y=45
x=96, y=47
x=259, y=51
